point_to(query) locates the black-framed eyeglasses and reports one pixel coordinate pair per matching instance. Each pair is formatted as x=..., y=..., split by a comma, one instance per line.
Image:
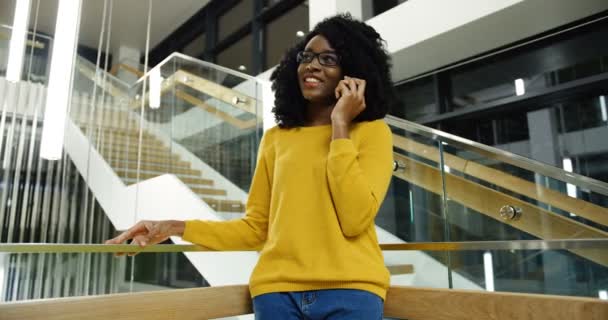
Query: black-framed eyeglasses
x=328, y=59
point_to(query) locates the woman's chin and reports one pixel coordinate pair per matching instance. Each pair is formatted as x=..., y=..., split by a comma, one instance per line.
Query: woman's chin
x=317, y=98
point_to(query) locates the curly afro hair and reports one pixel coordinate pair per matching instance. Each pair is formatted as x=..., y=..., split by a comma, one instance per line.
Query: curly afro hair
x=362, y=55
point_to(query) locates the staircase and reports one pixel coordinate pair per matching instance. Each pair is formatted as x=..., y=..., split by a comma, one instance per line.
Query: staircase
x=119, y=146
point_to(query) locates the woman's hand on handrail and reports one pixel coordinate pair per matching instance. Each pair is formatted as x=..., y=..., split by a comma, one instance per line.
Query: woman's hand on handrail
x=147, y=232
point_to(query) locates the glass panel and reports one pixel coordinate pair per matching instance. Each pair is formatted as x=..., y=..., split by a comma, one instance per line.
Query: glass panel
x=413, y=208
x=53, y=275
x=163, y=271
x=205, y=132
x=558, y=272
x=237, y=56
x=491, y=200
x=27, y=276
x=282, y=33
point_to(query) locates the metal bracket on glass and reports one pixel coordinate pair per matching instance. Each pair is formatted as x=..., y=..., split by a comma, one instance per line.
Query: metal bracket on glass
x=237, y=100
x=510, y=213
x=398, y=165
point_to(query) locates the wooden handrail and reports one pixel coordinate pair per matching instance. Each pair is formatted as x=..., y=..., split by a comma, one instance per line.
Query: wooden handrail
x=401, y=302
x=234, y=121
x=415, y=303
x=126, y=67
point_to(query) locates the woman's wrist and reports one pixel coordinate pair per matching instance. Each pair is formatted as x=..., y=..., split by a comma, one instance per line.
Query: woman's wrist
x=339, y=130
x=178, y=227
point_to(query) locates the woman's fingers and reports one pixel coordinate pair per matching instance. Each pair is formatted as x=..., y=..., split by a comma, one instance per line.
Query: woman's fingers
x=139, y=232
x=361, y=90
x=353, y=85
x=140, y=241
x=138, y=228
x=344, y=90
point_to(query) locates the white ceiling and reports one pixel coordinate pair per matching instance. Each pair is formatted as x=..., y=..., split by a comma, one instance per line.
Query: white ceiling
x=129, y=19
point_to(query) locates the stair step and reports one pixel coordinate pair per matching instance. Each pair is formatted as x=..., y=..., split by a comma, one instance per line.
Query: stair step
x=122, y=132
x=167, y=163
x=134, y=146
x=183, y=169
x=133, y=152
x=131, y=176
x=132, y=156
x=208, y=191
x=225, y=205
x=108, y=122
x=152, y=144
x=131, y=172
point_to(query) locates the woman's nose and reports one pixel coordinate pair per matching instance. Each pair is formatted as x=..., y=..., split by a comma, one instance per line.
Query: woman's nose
x=313, y=65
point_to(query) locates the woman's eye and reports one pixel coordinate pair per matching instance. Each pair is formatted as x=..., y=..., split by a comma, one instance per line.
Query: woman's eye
x=329, y=59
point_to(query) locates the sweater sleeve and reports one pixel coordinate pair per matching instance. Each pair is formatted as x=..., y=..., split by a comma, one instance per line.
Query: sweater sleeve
x=359, y=179
x=247, y=233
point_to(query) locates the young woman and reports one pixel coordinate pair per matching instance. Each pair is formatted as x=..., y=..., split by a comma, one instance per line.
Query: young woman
x=320, y=178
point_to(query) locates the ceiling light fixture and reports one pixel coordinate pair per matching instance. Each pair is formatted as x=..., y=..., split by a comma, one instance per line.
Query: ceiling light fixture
x=488, y=268
x=520, y=89
x=60, y=79
x=603, y=108
x=18, y=37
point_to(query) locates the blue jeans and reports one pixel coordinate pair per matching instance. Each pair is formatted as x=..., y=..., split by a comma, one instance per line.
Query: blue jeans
x=333, y=304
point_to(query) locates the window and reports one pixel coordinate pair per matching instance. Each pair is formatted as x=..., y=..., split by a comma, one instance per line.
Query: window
x=380, y=6
x=234, y=18
x=417, y=99
x=533, y=69
x=281, y=33
x=196, y=47
x=237, y=56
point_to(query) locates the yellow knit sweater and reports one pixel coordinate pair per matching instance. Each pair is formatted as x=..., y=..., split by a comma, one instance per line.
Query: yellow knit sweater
x=311, y=211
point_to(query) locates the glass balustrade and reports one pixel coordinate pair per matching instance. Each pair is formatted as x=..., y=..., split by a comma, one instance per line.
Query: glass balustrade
x=446, y=188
